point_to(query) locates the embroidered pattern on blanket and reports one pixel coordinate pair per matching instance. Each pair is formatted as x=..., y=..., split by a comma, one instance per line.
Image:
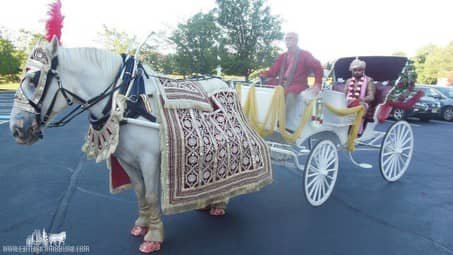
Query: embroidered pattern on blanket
x=210, y=156
x=184, y=94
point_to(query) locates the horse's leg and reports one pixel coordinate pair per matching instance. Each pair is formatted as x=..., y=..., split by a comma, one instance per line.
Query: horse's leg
x=155, y=235
x=141, y=223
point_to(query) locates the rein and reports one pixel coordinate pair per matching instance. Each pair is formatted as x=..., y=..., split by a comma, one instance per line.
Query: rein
x=85, y=104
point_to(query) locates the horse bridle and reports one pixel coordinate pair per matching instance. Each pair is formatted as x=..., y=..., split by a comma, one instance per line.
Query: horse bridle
x=40, y=63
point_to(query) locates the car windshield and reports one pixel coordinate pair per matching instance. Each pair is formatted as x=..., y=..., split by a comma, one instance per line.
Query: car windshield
x=448, y=92
x=430, y=92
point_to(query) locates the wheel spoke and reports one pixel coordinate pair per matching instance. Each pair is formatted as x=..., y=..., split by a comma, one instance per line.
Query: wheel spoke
x=312, y=174
x=315, y=169
x=388, y=153
x=312, y=181
x=387, y=159
x=323, y=188
x=403, y=136
x=313, y=191
x=387, y=164
x=406, y=148
x=393, y=167
x=316, y=160
x=323, y=152
x=331, y=170
x=326, y=182
x=406, y=155
x=405, y=141
x=403, y=164
x=330, y=177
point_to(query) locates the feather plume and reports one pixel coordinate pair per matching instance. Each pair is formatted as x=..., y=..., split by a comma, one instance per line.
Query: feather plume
x=55, y=22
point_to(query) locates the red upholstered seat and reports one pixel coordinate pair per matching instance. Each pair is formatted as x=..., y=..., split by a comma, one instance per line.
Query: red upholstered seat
x=379, y=97
x=381, y=92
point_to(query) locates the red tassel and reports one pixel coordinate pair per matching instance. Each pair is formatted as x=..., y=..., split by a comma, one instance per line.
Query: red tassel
x=384, y=112
x=55, y=22
x=409, y=103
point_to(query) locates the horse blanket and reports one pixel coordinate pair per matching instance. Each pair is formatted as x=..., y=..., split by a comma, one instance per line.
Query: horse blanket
x=207, y=156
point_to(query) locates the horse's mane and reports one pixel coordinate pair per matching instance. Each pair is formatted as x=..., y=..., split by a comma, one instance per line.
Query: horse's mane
x=82, y=57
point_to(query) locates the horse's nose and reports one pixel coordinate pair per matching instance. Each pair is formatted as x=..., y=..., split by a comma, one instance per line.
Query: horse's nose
x=15, y=133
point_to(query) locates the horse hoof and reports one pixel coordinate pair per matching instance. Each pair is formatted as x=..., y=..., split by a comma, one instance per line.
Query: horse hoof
x=148, y=247
x=217, y=211
x=139, y=231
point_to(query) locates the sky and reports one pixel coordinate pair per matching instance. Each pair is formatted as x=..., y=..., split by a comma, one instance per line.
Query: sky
x=329, y=29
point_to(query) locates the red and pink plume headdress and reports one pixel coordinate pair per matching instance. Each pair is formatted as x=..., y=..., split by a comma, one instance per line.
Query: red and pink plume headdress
x=55, y=21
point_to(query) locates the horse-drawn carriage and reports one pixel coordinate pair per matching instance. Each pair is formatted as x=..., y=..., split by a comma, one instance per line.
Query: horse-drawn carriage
x=325, y=125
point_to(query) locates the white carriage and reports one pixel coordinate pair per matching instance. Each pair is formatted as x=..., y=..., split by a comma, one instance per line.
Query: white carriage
x=323, y=126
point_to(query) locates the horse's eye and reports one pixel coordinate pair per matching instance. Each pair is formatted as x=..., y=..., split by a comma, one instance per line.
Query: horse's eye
x=34, y=77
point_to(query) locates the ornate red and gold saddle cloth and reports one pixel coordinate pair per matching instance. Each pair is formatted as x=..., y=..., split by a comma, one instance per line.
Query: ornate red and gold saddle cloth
x=207, y=156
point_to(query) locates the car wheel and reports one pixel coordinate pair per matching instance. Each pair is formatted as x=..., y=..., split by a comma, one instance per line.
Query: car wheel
x=399, y=114
x=448, y=113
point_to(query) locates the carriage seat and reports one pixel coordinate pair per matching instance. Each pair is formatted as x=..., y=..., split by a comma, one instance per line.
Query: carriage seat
x=382, y=89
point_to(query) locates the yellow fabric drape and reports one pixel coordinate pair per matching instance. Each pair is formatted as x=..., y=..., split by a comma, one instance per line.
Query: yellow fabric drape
x=353, y=132
x=277, y=114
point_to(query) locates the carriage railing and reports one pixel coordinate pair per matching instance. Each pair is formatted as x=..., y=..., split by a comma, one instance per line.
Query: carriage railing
x=276, y=115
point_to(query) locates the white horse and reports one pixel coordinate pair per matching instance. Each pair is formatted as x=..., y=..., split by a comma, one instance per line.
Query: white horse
x=57, y=239
x=79, y=75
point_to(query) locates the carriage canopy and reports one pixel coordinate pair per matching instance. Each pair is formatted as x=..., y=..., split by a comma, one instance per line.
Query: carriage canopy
x=380, y=68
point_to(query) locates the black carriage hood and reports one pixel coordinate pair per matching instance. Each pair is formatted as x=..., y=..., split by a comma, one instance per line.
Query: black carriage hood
x=380, y=68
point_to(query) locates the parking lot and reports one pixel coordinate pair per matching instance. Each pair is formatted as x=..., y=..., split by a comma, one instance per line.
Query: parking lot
x=6, y=100
x=52, y=186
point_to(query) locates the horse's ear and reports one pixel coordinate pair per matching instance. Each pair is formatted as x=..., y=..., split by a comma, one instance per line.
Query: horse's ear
x=52, y=47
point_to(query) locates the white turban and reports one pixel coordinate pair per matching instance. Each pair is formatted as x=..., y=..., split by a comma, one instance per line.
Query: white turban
x=357, y=63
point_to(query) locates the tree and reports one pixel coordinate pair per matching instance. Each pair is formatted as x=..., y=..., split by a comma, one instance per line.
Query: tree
x=27, y=40
x=197, y=45
x=434, y=62
x=117, y=41
x=250, y=31
x=121, y=42
x=9, y=60
x=419, y=62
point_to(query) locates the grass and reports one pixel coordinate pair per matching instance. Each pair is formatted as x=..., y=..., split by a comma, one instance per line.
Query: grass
x=9, y=86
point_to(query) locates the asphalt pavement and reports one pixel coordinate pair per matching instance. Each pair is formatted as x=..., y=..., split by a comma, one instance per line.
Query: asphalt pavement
x=52, y=186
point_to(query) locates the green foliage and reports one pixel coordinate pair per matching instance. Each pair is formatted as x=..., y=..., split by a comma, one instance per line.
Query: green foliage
x=434, y=62
x=10, y=58
x=250, y=31
x=26, y=41
x=121, y=42
x=117, y=41
x=196, y=45
x=403, y=91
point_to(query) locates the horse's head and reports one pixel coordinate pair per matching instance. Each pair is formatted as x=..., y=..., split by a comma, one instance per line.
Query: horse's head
x=32, y=98
x=54, y=77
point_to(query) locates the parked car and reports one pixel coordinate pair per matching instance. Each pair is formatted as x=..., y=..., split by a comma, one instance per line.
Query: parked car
x=446, y=103
x=446, y=91
x=425, y=109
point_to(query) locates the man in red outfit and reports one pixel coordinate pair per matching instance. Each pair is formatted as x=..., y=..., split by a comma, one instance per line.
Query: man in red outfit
x=291, y=70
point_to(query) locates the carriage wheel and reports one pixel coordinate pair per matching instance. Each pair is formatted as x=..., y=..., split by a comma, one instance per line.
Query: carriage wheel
x=320, y=173
x=396, y=151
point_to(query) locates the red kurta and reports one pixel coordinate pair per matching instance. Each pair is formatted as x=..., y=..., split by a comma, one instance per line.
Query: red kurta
x=305, y=65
